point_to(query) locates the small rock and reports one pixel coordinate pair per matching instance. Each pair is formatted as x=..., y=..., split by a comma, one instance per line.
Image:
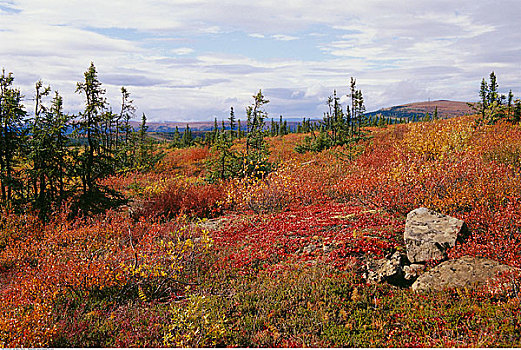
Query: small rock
x=389, y=270
x=310, y=248
x=428, y=235
x=413, y=271
x=328, y=247
x=466, y=272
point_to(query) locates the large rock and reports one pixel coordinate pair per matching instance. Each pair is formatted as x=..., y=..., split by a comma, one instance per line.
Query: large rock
x=466, y=271
x=428, y=235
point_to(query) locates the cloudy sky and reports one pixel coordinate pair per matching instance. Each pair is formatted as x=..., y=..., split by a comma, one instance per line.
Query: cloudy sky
x=188, y=60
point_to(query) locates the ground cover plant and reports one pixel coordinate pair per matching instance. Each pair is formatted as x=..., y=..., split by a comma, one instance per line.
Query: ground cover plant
x=272, y=256
x=283, y=263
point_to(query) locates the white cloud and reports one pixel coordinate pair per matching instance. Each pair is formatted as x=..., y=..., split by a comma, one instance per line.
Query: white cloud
x=182, y=51
x=399, y=50
x=283, y=37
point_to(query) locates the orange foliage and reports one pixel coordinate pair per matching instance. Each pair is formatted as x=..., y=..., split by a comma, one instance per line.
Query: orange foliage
x=67, y=260
x=339, y=205
x=185, y=161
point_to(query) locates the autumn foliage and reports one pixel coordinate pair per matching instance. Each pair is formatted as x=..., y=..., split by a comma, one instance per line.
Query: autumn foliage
x=281, y=262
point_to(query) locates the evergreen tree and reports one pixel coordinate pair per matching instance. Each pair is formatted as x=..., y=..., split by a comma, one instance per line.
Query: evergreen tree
x=224, y=163
x=240, y=133
x=337, y=127
x=517, y=112
x=187, y=140
x=12, y=135
x=483, y=93
x=215, y=131
x=491, y=102
x=124, y=140
x=509, y=103
x=256, y=148
x=285, y=130
x=231, y=119
x=144, y=148
x=92, y=161
x=176, y=141
x=48, y=152
x=493, y=95
x=146, y=158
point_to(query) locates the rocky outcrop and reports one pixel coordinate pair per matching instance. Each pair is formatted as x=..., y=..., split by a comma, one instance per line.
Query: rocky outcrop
x=466, y=271
x=428, y=235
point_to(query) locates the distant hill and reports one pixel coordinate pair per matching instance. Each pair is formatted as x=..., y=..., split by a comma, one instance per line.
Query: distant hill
x=446, y=109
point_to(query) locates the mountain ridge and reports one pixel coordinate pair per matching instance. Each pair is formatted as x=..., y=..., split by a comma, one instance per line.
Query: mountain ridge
x=446, y=109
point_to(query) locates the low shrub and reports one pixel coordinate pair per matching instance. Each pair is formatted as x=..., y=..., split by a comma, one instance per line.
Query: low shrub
x=178, y=197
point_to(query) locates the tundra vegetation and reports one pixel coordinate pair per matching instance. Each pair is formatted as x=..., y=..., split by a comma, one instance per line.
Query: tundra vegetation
x=255, y=235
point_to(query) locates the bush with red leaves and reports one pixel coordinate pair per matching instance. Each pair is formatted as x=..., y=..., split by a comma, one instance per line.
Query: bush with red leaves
x=183, y=198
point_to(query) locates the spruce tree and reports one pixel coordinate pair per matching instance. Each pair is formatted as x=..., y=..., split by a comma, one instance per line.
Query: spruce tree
x=493, y=95
x=256, y=148
x=509, y=103
x=517, y=112
x=239, y=130
x=49, y=152
x=483, y=93
x=124, y=140
x=12, y=136
x=92, y=165
x=231, y=119
x=187, y=136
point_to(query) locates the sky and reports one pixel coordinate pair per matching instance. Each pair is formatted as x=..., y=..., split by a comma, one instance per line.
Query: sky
x=191, y=60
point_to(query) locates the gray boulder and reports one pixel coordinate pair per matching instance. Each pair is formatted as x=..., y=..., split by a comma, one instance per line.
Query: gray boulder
x=386, y=270
x=466, y=271
x=428, y=235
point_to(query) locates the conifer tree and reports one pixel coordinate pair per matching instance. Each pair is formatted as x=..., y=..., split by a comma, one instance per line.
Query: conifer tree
x=517, y=112
x=48, y=151
x=187, y=136
x=231, y=119
x=493, y=95
x=12, y=135
x=92, y=161
x=256, y=148
x=125, y=143
x=176, y=142
x=509, y=103
x=491, y=102
x=225, y=163
x=483, y=93
x=240, y=133
x=215, y=131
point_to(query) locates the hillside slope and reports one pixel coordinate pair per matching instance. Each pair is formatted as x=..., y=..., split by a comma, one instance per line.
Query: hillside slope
x=446, y=109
